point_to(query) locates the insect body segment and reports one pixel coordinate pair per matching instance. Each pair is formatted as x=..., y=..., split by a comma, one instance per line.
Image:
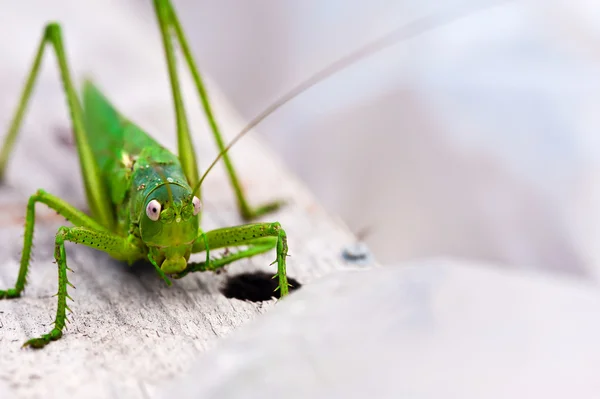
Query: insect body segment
x=141, y=196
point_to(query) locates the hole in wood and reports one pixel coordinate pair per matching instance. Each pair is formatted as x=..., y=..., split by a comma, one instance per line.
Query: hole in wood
x=255, y=287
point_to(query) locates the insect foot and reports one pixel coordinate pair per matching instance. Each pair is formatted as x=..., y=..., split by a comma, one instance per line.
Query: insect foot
x=249, y=214
x=38, y=343
x=9, y=294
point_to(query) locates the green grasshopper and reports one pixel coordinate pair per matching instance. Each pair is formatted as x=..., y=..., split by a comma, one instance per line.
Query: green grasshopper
x=144, y=201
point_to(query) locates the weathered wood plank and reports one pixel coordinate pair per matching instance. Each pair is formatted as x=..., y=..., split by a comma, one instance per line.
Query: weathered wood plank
x=435, y=328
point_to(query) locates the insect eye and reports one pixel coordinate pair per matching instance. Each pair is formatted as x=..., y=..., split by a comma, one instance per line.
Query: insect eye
x=153, y=210
x=197, y=205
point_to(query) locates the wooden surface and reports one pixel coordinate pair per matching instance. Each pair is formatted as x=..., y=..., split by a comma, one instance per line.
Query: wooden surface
x=130, y=333
x=433, y=328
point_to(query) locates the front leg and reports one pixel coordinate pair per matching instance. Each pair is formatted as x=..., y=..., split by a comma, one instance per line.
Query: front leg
x=89, y=232
x=63, y=281
x=116, y=246
x=260, y=237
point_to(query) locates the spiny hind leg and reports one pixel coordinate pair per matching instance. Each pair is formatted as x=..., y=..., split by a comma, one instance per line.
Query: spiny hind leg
x=96, y=194
x=259, y=237
x=169, y=24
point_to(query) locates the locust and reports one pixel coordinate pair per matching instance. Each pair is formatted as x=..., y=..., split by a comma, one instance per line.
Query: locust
x=144, y=201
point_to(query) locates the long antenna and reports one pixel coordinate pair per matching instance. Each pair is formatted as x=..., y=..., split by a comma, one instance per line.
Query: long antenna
x=411, y=29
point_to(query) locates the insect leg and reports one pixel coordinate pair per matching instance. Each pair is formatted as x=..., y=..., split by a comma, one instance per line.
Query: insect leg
x=90, y=233
x=185, y=148
x=260, y=237
x=169, y=23
x=108, y=242
x=96, y=194
x=71, y=213
x=255, y=247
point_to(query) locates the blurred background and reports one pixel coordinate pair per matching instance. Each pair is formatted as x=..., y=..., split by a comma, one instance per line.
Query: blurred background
x=476, y=135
